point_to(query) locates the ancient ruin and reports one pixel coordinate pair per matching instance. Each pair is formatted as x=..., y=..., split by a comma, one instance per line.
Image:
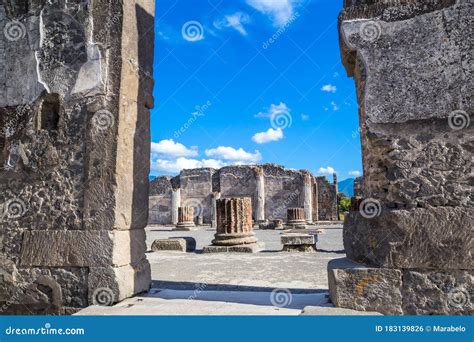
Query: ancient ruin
x=234, y=227
x=272, y=189
x=409, y=246
x=75, y=94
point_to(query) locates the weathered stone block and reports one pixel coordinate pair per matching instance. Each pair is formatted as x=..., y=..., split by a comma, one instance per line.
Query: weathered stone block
x=437, y=292
x=298, y=239
x=247, y=248
x=437, y=238
x=355, y=286
x=74, y=248
x=183, y=244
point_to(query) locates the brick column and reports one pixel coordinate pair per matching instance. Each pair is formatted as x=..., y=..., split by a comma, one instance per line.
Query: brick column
x=296, y=218
x=185, y=218
x=234, y=227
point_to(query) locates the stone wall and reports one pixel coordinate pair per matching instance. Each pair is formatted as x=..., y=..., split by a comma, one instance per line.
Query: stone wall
x=272, y=189
x=412, y=63
x=160, y=201
x=75, y=93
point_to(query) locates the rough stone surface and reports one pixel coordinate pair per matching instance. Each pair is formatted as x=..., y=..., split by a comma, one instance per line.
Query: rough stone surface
x=184, y=244
x=357, y=287
x=75, y=93
x=435, y=238
x=412, y=64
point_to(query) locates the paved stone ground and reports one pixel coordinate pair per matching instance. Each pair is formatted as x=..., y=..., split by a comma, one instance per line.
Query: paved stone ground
x=228, y=271
x=267, y=283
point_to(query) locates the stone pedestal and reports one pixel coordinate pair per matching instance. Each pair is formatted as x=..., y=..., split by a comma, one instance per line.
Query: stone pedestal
x=409, y=244
x=299, y=242
x=234, y=227
x=296, y=218
x=185, y=219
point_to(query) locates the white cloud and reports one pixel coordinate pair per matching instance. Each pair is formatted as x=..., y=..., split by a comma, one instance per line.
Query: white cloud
x=170, y=148
x=304, y=117
x=355, y=173
x=237, y=156
x=335, y=107
x=181, y=163
x=329, y=88
x=274, y=110
x=279, y=11
x=235, y=21
x=270, y=135
x=326, y=170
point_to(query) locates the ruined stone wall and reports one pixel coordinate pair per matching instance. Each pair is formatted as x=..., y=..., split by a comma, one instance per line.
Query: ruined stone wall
x=196, y=191
x=282, y=189
x=327, y=200
x=239, y=181
x=75, y=89
x=412, y=63
x=160, y=200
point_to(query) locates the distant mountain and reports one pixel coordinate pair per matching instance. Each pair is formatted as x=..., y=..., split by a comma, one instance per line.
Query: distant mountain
x=150, y=178
x=346, y=186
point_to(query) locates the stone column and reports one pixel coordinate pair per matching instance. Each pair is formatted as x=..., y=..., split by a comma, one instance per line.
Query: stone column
x=185, y=219
x=215, y=197
x=308, y=198
x=234, y=227
x=409, y=246
x=296, y=218
x=78, y=154
x=175, y=203
x=260, y=208
x=315, y=202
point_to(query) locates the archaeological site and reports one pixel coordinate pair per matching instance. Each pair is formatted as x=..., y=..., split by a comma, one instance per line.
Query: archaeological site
x=85, y=230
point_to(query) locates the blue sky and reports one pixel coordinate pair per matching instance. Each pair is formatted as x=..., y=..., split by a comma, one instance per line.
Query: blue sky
x=252, y=81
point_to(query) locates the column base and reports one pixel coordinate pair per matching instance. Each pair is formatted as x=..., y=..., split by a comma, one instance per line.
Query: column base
x=300, y=224
x=246, y=248
x=185, y=226
x=233, y=239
